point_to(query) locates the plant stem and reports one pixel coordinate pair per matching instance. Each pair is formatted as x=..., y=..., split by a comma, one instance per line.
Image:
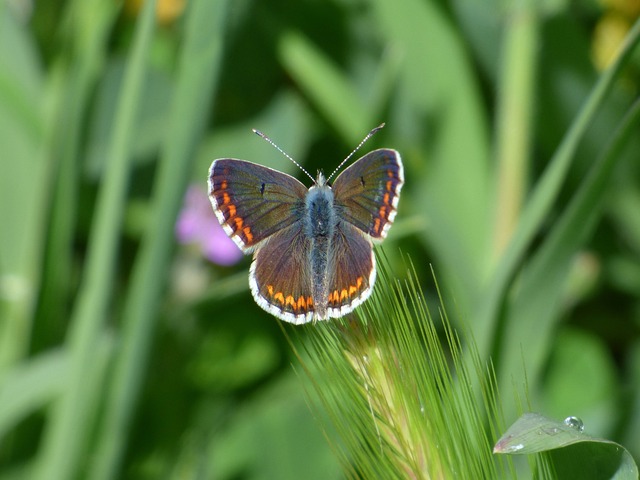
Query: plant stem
x=514, y=121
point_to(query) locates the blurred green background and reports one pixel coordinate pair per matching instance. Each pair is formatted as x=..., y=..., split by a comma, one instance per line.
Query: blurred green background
x=130, y=346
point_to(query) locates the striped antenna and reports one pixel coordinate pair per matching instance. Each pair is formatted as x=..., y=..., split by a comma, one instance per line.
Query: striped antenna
x=259, y=133
x=369, y=135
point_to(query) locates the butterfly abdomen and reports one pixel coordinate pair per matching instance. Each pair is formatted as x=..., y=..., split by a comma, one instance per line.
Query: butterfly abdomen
x=320, y=227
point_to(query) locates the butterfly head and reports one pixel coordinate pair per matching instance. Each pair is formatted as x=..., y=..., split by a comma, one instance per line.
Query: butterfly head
x=321, y=181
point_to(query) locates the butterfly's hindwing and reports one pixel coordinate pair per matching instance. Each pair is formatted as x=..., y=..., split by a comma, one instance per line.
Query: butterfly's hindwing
x=280, y=276
x=253, y=202
x=351, y=270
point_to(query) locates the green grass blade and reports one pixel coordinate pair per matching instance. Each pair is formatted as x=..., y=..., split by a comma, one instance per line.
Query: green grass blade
x=388, y=383
x=533, y=312
x=24, y=185
x=574, y=453
x=89, y=25
x=449, y=149
x=542, y=199
x=514, y=118
x=30, y=386
x=198, y=72
x=70, y=419
x=327, y=87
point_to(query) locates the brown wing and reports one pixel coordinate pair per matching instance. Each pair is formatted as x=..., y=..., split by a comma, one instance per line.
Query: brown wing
x=352, y=271
x=280, y=276
x=253, y=202
x=367, y=193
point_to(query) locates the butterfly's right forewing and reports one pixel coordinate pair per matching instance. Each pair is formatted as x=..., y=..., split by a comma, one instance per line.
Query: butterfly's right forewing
x=367, y=193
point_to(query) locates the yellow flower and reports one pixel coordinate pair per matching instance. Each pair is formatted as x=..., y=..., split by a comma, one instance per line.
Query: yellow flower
x=628, y=8
x=166, y=10
x=608, y=37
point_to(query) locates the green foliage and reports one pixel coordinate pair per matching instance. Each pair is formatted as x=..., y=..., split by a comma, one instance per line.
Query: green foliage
x=572, y=452
x=125, y=354
x=399, y=393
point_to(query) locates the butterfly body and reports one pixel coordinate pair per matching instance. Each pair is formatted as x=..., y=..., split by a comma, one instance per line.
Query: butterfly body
x=312, y=248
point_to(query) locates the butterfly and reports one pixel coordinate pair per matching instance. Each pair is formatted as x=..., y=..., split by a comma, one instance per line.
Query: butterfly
x=312, y=248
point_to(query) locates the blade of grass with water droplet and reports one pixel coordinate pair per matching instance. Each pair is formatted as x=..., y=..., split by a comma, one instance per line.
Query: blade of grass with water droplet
x=575, y=454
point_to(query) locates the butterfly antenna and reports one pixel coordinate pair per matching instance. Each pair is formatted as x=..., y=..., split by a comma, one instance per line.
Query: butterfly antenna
x=369, y=135
x=259, y=133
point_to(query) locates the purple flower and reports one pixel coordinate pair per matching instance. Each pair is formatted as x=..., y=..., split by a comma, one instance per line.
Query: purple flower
x=197, y=224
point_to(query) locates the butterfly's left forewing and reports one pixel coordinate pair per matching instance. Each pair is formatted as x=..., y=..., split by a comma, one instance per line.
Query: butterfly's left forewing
x=253, y=202
x=367, y=193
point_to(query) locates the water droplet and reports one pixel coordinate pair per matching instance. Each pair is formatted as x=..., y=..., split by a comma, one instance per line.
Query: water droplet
x=513, y=448
x=575, y=423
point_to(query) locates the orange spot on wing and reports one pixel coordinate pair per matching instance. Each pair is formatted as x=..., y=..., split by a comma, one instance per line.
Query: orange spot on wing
x=226, y=199
x=389, y=185
x=270, y=290
x=279, y=297
x=334, y=296
x=344, y=294
x=353, y=289
x=290, y=301
x=223, y=185
x=376, y=225
x=232, y=210
x=238, y=221
x=309, y=302
x=302, y=305
x=248, y=234
x=385, y=199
